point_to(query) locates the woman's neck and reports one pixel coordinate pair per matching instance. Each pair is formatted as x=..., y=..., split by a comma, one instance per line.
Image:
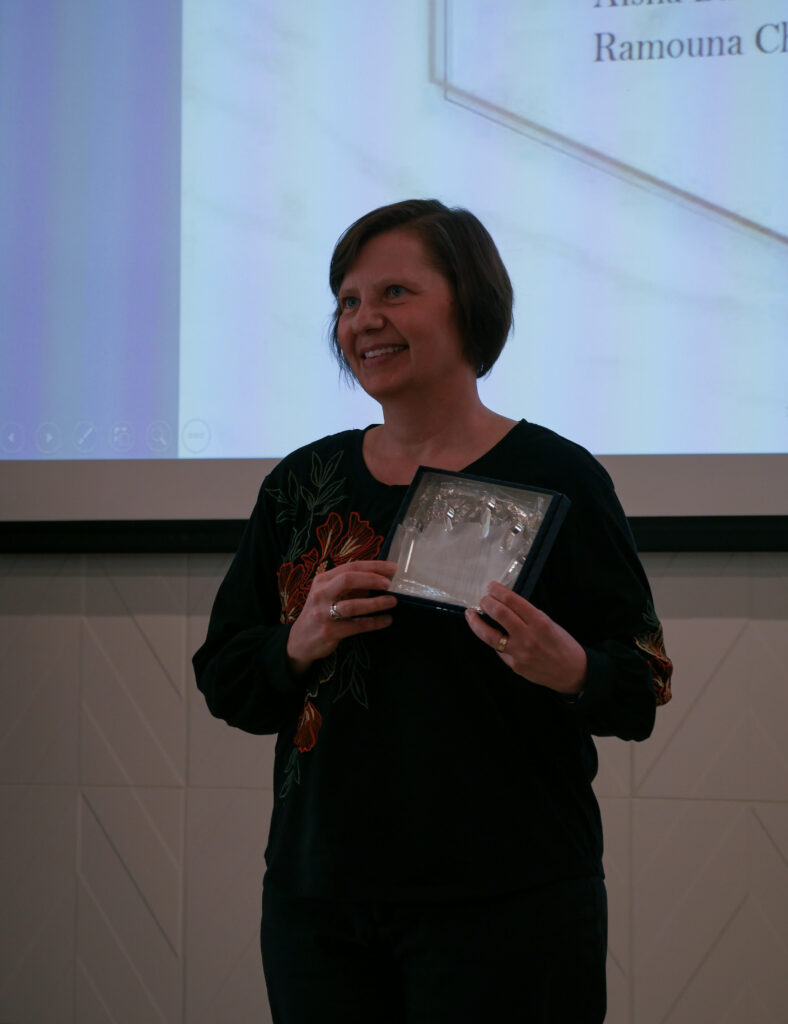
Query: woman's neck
x=444, y=434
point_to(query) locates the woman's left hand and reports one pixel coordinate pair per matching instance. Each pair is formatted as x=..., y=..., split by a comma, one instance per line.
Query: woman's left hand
x=529, y=642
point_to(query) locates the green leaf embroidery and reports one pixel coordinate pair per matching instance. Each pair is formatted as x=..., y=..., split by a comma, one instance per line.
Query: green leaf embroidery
x=297, y=544
x=321, y=474
x=352, y=672
x=318, y=502
x=292, y=773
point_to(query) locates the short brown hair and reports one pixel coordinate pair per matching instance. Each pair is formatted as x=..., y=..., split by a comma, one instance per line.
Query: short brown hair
x=462, y=250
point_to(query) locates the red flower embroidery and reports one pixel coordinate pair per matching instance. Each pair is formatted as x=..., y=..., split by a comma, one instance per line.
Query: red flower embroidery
x=357, y=542
x=308, y=727
x=293, y=584
x=335, y=547
x=653, y=646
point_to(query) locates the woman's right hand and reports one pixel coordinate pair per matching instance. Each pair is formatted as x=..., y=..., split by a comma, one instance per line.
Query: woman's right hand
x=337, y=606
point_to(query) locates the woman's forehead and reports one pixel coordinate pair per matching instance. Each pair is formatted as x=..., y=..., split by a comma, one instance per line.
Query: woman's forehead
x=396, y=251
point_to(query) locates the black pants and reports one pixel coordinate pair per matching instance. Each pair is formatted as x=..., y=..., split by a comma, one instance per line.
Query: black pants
x=536, y=957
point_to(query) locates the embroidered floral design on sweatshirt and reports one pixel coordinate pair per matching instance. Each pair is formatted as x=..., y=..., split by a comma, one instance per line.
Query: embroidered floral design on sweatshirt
x=316, y=498
x=652, y=643
x=308, y=727
x=313, y=550
x=335, y=546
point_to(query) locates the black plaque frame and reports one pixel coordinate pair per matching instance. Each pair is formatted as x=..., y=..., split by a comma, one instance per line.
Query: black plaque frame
x=540, y=547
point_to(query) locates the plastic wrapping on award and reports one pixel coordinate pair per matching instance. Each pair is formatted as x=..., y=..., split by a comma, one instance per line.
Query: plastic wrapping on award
x=456, y=532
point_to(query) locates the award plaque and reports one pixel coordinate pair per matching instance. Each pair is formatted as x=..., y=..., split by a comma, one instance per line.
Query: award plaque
x=455, y=533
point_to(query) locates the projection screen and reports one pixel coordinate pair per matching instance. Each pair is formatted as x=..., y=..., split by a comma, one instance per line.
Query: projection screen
x=174, y=175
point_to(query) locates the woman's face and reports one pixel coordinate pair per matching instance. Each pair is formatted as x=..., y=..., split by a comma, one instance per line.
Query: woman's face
x=397, y=326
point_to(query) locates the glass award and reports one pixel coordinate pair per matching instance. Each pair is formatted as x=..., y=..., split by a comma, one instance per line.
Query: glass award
x=455, y=533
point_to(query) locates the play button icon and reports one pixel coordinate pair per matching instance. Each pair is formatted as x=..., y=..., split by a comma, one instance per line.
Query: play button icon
x=48, y=438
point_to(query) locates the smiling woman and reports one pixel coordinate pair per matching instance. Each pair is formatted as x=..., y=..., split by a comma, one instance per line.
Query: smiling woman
x=461, y=250
x=397, y=328
x=433, y=772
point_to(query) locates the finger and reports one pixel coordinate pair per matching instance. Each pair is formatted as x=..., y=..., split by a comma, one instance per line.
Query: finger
x=509, y=608
x=507, y=620
x=364, y=624
x=355, y=607
x=489, y=634
x=326, y=591
x=358, y=580
x=367, y=565
x=516, y=602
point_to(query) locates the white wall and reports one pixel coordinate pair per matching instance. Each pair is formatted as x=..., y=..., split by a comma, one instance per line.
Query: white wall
x=133, y=824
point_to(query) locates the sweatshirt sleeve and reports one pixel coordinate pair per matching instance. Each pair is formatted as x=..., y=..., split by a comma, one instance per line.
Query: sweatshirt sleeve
x=242, y=668
x=604, y=600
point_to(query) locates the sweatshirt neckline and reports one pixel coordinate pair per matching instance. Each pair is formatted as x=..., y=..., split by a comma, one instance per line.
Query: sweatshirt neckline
x=401, y=488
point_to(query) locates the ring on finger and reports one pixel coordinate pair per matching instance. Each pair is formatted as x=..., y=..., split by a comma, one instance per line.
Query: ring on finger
x=333, y=613
x=502, y=644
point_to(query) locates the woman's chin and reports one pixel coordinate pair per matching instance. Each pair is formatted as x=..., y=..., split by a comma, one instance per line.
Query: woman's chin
x=383, y=381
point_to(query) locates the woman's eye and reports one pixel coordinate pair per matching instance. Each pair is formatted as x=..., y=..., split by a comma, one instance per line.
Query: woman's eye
x=395, y=291
x=348, y=302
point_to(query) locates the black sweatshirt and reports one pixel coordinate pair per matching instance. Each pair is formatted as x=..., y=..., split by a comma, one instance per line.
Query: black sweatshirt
x=413, y=763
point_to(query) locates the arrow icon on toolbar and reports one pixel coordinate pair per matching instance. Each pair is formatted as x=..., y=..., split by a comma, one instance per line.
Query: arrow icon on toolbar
x=48, y=438
x=12, y=438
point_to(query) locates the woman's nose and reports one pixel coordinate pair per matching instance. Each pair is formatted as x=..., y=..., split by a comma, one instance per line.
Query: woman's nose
x=369, y=317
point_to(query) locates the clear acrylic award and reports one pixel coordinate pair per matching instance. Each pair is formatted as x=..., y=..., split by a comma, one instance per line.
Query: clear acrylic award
x=455, y=533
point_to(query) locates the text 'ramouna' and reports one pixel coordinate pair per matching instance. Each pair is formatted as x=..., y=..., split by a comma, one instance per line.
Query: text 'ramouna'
x=769, y=38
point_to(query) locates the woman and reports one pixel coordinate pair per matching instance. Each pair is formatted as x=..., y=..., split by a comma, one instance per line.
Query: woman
x=435, y=845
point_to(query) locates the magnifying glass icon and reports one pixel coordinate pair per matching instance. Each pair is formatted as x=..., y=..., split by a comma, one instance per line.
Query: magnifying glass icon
x=158, y=436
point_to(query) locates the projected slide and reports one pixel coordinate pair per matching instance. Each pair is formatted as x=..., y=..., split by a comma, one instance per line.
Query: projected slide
x=175, y=175
x=676, y=94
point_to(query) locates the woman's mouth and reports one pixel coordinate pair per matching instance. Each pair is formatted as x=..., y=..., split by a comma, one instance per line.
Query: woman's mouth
x=384, y=350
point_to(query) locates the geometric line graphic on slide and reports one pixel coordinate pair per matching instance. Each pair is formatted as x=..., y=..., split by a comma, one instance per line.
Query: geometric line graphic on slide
x=634, y=98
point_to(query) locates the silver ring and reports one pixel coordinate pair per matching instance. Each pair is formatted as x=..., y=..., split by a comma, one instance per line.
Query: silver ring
x=502, y=644
x=333, y=613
